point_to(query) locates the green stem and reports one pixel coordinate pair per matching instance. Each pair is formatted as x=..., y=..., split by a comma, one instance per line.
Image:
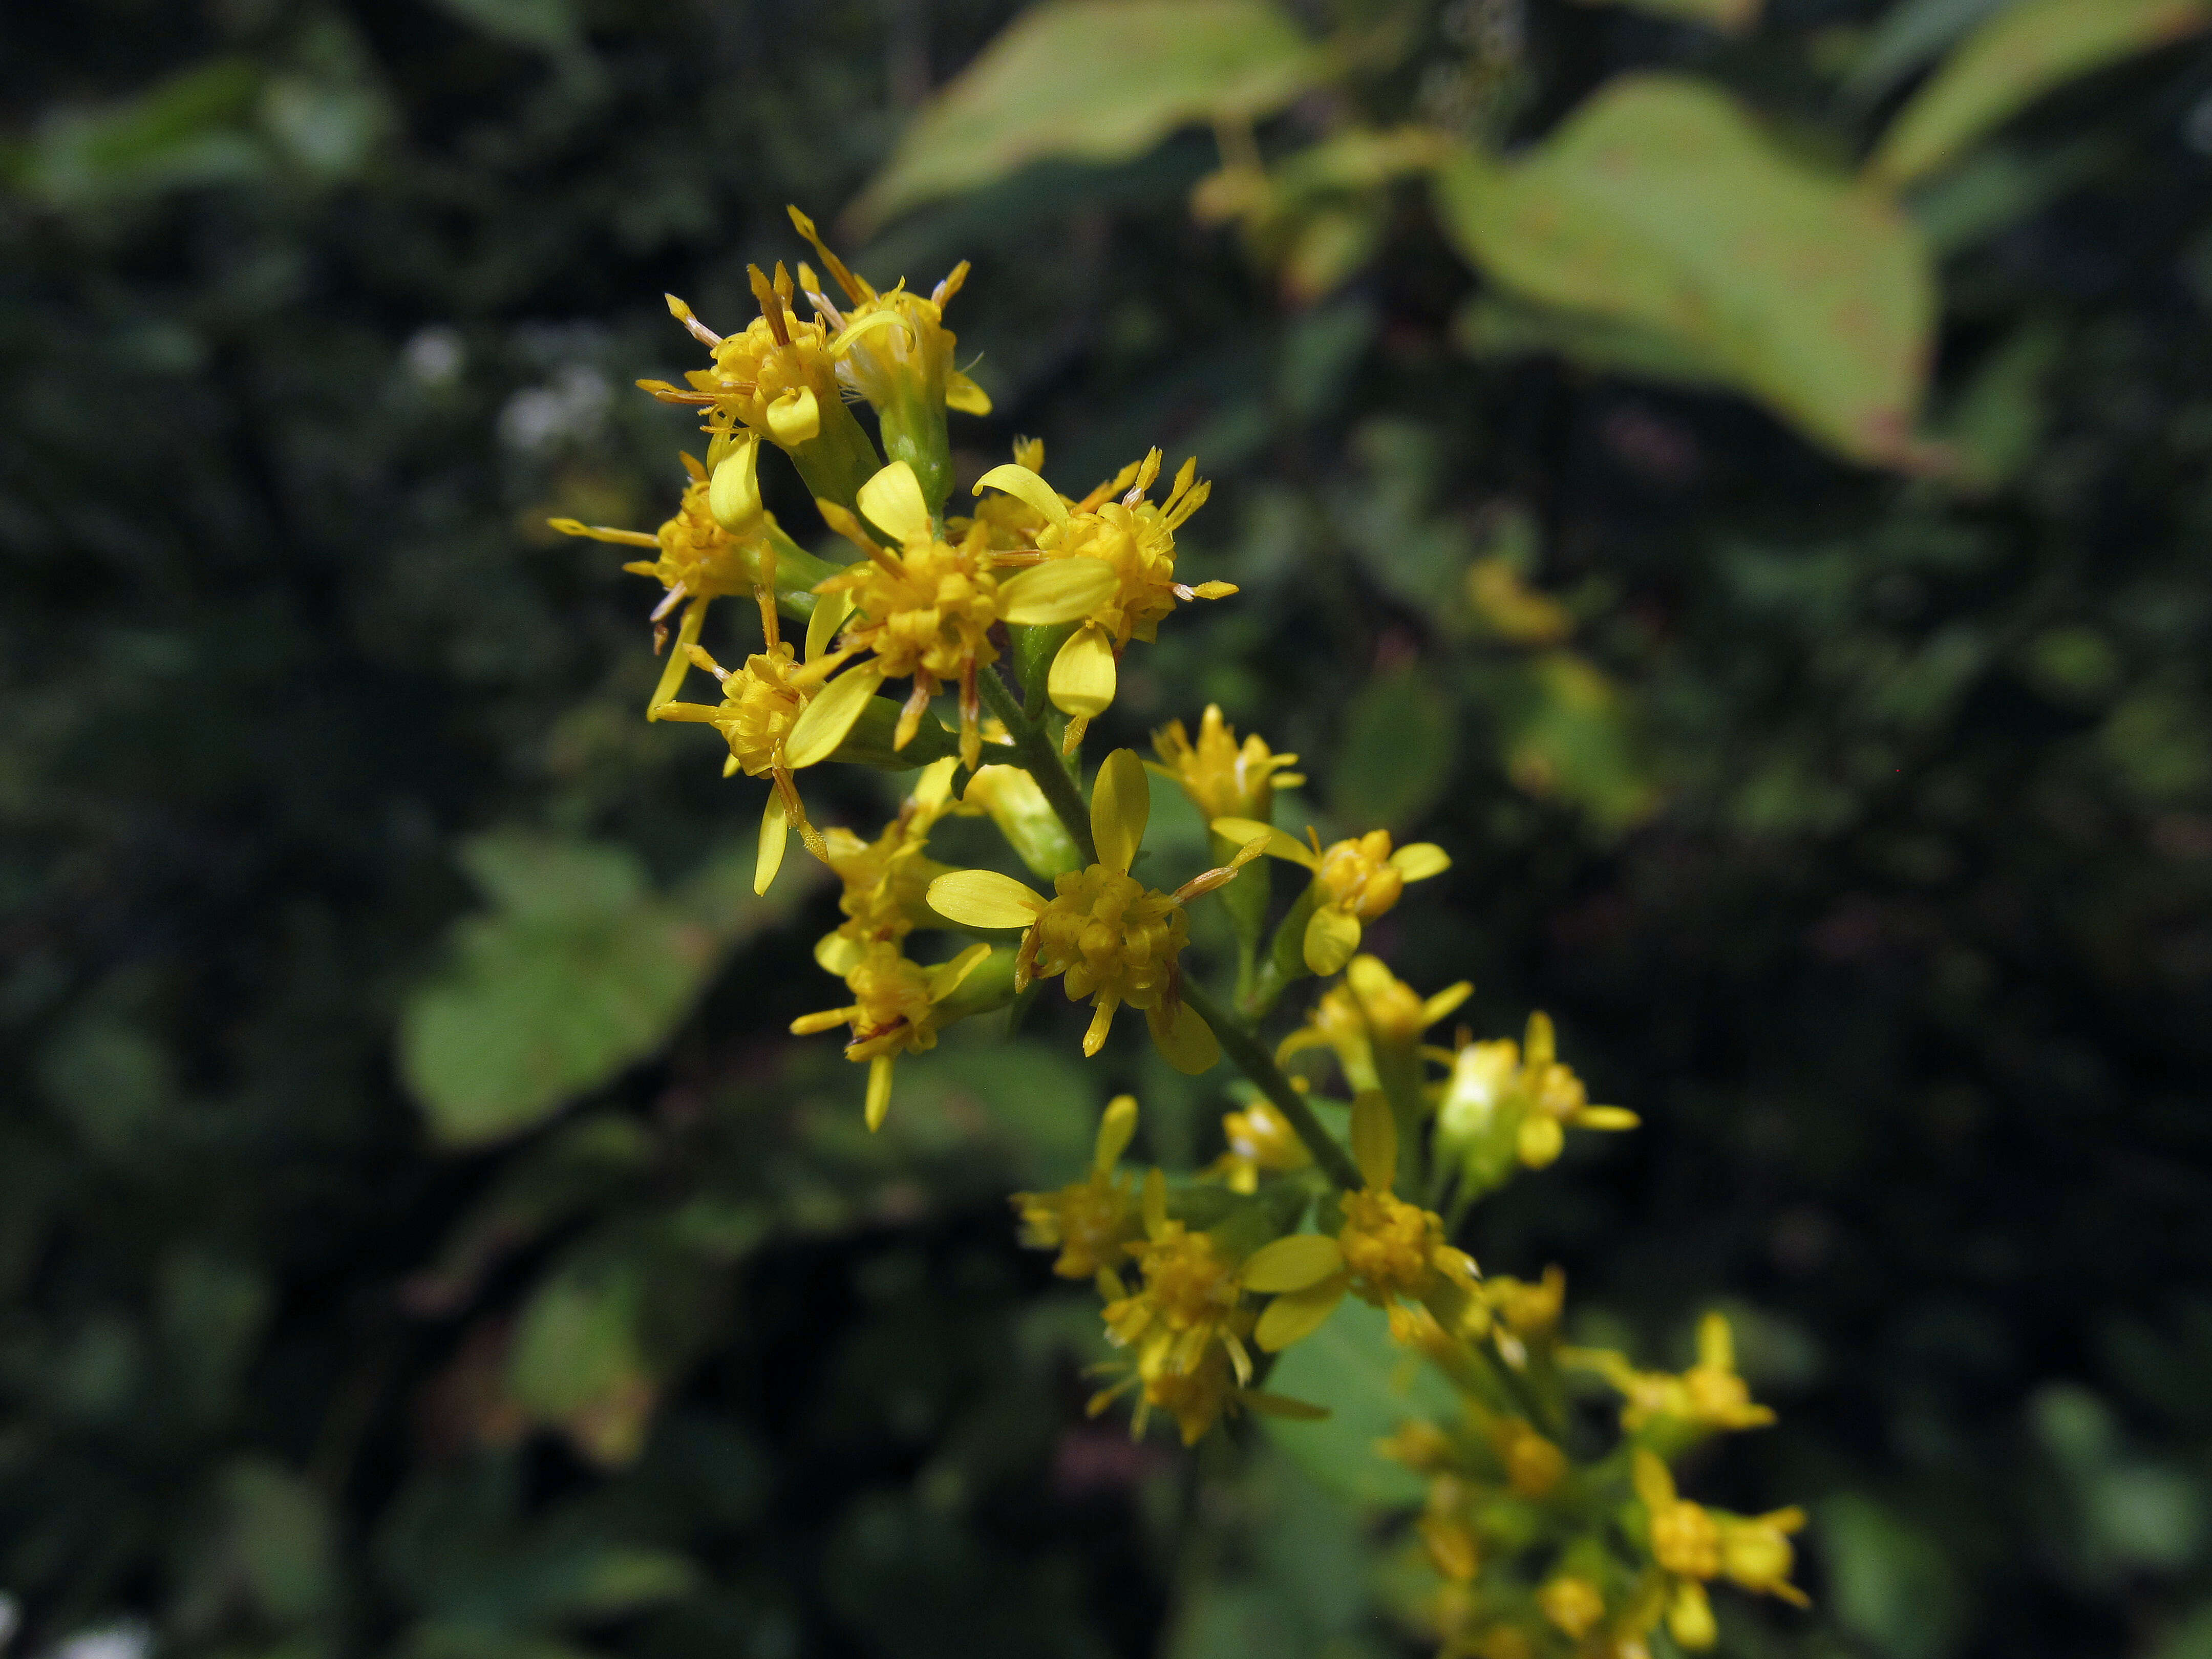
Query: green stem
x=1035, y=752
x=1252, y=1058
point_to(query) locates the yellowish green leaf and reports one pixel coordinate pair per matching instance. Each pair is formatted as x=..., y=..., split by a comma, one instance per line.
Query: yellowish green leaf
x=1734, y=16
x=1094, y=81
x=1661, y=208
x=2012, y=60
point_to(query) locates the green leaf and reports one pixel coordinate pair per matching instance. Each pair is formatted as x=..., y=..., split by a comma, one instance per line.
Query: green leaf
x=1395, y=758
x=1734, y=16
x=280, y=1540
x=2012, y=60
x=579, y=972
x=1888, y=1582
x=188, y=129
x=1912, y=33
x=1661, y=208
x=1098, y=81
x=1370, y=1387
x=553, y=26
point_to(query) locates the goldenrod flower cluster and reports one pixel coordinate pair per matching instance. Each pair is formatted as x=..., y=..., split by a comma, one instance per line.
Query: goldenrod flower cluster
x=1360, y=1138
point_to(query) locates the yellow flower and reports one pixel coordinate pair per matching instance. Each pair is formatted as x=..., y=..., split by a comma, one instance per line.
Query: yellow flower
x=1260, y=1138
x=894, y=349
x=1223, y=779
x=1573, y=1605
x=884, y=879
x=1132, y=537
x=698, y=558
x=926, y=611
x=1503, y=1103
x=1187, y=1324
x=1533, y=1463
x=1385, y=1250
x=1756, y=1552
x=1089, y=1221
x=1116, y=940
x=897, y=1007
x=1709, y=1396
x=1371, y=1006
x=1685, y=1546
x=761, y=705
x=1354, y=882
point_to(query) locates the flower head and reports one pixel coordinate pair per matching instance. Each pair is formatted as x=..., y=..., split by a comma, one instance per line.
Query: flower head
x=926, y=611
x=1223, y=779
x=1371, y=1008
x=1385, y=1249
x=1133, y=538
x=1508, y=1103
x=1089, y=1221
x=1708, y=1397
x=893, y=349
x=1260, y=1138
x=1114, y=939
x=897, y=1007
x=883, y=880
x=1354, y=882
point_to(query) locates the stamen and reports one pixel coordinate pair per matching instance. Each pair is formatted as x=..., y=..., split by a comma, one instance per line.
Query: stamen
x=669, y=601
x=699, y=331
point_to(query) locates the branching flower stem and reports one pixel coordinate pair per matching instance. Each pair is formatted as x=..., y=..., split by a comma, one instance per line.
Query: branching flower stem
x=1033, y=749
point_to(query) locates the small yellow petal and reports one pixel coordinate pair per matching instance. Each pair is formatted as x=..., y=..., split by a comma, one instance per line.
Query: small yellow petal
x=892, y=501
x=1083, y=675
x=963, y=397
x=983, y=898
x=795, y=417
x=880, y=1090
x=1121, y=805
x=734, y=496
x=1332, y=939
x=1057, y=591
x=838, y=954
x=830, y=610
x=1294, y=1318
x=821, y=726
x=1445, y=1000
x=945, y=978
x=1654, y=1484
x=768, y=857
x=1279, y=845
x=1421, y=860
x=1375, y=1140
x=1185, y=1040
x=1214, y=590
x=1606, y=1118
x=874, y=319
x=1021, y=481
x=1297, y=1263
x=1114, y=1131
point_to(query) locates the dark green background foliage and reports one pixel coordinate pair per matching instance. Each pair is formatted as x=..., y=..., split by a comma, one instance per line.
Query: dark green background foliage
x=311, y=313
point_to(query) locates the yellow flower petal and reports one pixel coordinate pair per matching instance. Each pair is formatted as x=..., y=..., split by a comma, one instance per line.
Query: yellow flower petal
x=795, y=417
x=1214, y=590
x=1606, y=1118
x=1083, y=675
x=1332, y=939
x=874, y=319
x=1121, y=805
x=1654, y=1484
x=838, y=954
x=892, y=500
x=1058, y=591
x=1279, y=845
x=983, y=898
x=1715, y=1343
x=768, y=857
x=821, y=726
x=965, y=397
x=880, y=1090
x=945, y=978
x=830, y=610
x=1421, y=860
x=1185, y=1040
x=1115, y=1130
x=1021, y=481
x=1375, y=1140
x=1297, y=1263
x=734, y=496
x=1294, y=1318
x=1444, y=1001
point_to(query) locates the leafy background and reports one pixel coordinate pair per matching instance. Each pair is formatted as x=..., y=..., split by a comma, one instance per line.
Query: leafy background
x=417, y=1237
